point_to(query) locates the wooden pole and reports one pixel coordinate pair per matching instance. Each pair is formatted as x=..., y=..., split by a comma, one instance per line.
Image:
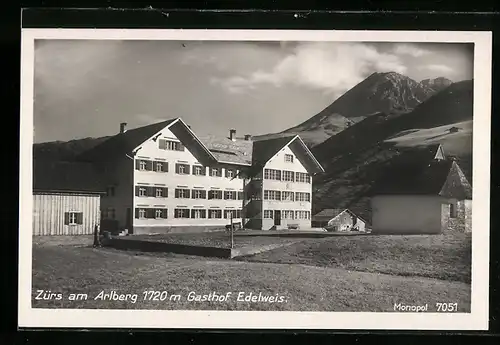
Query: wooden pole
x=232, y=229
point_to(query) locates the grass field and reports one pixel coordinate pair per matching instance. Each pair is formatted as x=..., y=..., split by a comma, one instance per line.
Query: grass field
x=353, y=283
x=435, y=256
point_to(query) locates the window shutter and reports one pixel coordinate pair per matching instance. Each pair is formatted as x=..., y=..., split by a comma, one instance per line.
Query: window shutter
x=137, y=164
x=162, y=144
x=66, y=218
x=137, y=190
x=188, y=168
x=150, y=213
x=177, y=168
x=149, y=165
x=165, y=192
x=204, y=194
x=165, y=167
x=180, y=146
x=79, y=218
x=136, y=213
x=150, y=191
x=227, y=172
x=164, y=213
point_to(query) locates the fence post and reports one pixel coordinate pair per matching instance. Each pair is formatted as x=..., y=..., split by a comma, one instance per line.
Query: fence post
x=232, y=230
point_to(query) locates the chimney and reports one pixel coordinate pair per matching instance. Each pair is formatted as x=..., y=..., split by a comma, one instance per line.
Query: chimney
x=247, y=137
x=123, y=125
x=232, y=134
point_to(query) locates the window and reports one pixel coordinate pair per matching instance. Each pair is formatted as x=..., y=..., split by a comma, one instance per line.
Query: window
x=181, y=213
x=228, y=214
x=238, y=213
x=158, y=213
x=216, y=172
x=230, y=173
x=453, y=211
x=288, y=158
x=229, y=195
x=272, y=195
x=182, y=169
x=215, y=214
x=198, y=170
x=73, y=218
x=302, y=177
x=182, y=193
x=302, y=214
x=288, y=176
x=198, y=213
x=287, y=196
x=143, y=191
x=299, y=196
x=268, y=214
x=215, y=194
x=161, y=166
x=142, y=165
x=287, y=214
x=198, y=194
x=159, y=192
x=240, y=195
x=272, y=174
x=141, y=213
x=171, y=145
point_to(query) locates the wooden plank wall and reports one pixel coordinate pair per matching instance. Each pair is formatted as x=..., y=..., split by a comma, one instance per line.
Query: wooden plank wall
x=49, y=209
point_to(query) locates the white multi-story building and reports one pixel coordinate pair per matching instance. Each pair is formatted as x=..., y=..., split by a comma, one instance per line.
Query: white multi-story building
x=164, y=178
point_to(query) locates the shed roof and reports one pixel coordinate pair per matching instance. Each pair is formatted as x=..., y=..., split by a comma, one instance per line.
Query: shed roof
x=61, y=176
x=416, y=172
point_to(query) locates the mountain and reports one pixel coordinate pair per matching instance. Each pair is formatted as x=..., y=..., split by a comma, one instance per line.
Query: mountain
x=356, y=157
x=390, y=93
x=436, y=84
x=64, y=150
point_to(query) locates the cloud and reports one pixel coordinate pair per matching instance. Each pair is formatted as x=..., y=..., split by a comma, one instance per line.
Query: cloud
x=327, y=66
x=409, y=49
x=437, y=68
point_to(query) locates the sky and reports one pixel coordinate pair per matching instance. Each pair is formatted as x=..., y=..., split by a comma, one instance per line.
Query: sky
x=86, y=88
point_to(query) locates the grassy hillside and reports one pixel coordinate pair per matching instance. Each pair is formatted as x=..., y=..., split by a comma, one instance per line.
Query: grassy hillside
x=64, y=150
x=356, y=157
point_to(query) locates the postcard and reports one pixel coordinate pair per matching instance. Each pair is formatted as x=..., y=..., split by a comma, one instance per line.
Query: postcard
x=254, y=179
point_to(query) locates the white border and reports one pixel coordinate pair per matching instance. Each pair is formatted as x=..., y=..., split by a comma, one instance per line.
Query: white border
x=61, y=318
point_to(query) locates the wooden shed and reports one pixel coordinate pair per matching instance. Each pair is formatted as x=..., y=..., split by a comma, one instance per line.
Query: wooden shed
x=338, y=220
x=66, y=198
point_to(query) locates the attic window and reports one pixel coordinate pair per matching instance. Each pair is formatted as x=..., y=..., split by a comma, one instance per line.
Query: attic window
x=288, y=158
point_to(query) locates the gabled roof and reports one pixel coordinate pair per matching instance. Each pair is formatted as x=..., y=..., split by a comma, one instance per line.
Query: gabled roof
x=416, y=172
x=330, y=213
x=265, y=149
x=228, y=151
x=123, y=143
x=60, y=176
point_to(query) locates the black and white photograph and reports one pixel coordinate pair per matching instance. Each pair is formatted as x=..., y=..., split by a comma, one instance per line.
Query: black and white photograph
x=205, y=178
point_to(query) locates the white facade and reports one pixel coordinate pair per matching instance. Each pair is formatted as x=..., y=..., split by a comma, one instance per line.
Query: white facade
x=408, y=214
x=185, y=196
x=293, y=191
x=164, y=187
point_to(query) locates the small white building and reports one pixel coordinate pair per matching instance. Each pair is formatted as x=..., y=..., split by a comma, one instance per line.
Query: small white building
x=422, y=194
x=340, y=220
x=66, y=198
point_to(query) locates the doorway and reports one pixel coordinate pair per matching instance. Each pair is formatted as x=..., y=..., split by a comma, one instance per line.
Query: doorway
x=277, y=217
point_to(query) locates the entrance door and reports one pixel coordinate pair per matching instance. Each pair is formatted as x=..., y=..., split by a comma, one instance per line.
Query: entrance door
x=128, y=221
x=277, y=217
